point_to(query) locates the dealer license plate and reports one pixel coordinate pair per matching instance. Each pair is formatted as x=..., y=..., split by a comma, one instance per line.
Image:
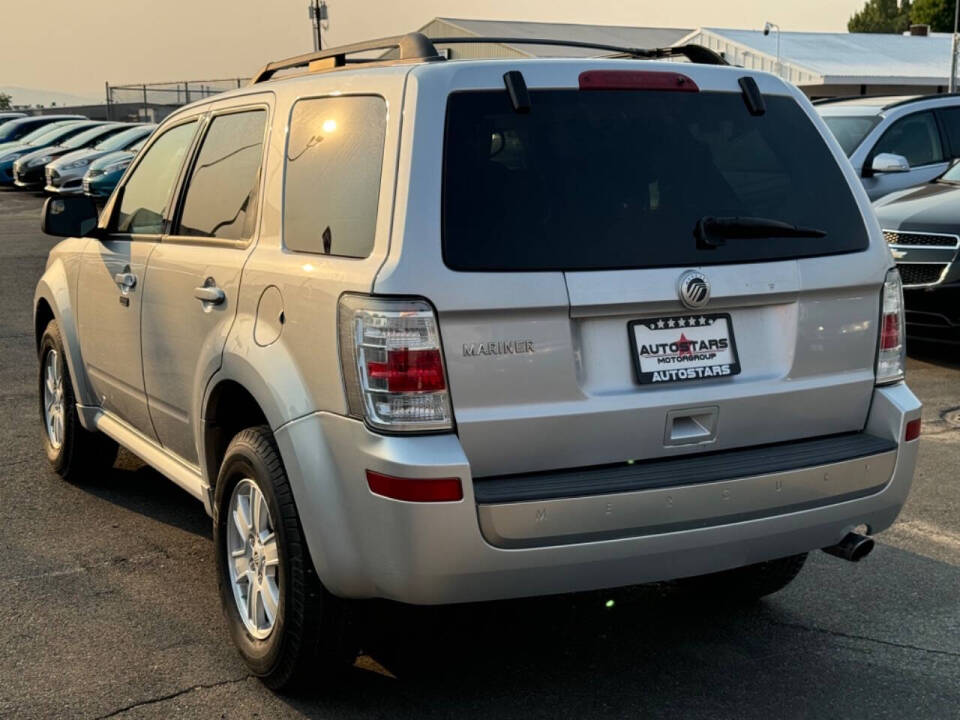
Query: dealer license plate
x=681, y=348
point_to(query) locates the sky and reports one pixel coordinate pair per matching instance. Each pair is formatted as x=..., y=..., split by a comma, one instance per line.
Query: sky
x=75, y=46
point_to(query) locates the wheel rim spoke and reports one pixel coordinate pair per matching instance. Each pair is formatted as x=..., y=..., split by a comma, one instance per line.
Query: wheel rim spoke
x=270, y=596
x=253, y=559
x=271, y=555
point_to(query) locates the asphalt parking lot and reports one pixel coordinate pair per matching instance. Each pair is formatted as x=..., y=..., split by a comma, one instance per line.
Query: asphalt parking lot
x=109, y=606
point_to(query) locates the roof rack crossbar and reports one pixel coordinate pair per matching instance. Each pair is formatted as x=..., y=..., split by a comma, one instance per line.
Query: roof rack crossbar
x=693, y=53
x=412, y=46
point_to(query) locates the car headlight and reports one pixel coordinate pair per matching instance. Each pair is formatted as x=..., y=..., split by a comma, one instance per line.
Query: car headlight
x=40, y=161
x=77, y=164
x=114, y=167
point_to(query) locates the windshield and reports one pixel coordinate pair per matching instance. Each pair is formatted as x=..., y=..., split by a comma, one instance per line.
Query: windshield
x=613, y=179
x=850, y=130
x=122, y=140
x=35, y=136
x=952, y=175
x=88, y=136
x=58, y=134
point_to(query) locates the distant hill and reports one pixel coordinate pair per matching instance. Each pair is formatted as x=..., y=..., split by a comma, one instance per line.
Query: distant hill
x=35, y=96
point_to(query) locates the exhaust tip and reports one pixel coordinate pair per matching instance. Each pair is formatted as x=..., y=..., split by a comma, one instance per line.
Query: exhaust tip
x=854, y=547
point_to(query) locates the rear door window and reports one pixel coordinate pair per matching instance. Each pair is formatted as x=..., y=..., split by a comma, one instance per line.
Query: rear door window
x=915, y=137
x=224, y=185
x=618, y=179
x=332, y=186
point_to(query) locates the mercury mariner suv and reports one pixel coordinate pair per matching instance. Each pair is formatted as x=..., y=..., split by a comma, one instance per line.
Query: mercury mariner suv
x=443, y=331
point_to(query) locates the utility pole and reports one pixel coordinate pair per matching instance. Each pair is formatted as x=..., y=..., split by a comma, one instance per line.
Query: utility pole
x=953, y=48
x=767, y=27
x=318, y=14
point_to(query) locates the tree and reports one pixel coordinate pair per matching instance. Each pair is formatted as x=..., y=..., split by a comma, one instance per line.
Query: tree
x=883, y=16
x=6, y=102
x=938, y=14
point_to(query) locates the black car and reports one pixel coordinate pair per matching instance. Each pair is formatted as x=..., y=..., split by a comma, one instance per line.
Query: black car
x=28, y=170
x=15, y=129
x=922, y=227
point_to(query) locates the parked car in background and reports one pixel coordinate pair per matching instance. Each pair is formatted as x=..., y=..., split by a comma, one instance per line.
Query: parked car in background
x=6, y=117
x=42, y=136
x=64, y=176
x=895, y=142
x=104, y=173
x=21, y=127
x=922, y=227
x=28, y=170
x=572, y=324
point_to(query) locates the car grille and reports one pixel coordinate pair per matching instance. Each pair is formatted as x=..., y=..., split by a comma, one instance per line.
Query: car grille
x=909, y=238
x=920, y=273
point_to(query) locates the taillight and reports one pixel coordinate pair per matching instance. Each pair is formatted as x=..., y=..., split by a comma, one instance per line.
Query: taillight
x=393, y=364
x=891, y=355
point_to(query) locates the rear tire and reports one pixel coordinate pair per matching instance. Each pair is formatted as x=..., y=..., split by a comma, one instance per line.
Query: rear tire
x=292, y=631
x=74, y=453
x=748, y=583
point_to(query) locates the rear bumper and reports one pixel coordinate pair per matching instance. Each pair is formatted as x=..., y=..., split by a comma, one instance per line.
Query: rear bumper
x=364, y=545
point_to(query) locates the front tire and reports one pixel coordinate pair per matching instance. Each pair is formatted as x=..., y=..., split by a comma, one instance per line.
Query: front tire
x=285, y=624
x=74, y=452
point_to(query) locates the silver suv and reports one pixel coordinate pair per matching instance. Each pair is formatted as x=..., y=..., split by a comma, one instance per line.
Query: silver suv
x=895, y=142
x=446, y=331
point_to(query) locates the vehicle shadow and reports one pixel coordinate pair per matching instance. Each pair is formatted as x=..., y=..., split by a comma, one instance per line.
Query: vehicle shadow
x=133, y=485
x=941, y=354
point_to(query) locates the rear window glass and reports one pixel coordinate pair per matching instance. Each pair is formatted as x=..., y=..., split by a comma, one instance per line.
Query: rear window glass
x=593, y=180
x=332, y=188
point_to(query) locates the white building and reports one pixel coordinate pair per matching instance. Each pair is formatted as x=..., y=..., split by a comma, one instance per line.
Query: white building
x=822, y=64
x=833, y=64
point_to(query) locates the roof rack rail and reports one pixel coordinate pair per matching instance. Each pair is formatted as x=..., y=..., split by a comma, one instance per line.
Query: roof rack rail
x=693, y=53
x=412, y=46
x=417, y=46
x=887, y=106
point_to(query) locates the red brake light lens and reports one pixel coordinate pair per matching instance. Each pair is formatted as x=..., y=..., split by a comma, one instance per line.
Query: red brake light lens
x=415, y=490
x=890, y=332
x=409, y=371
x=636, y=80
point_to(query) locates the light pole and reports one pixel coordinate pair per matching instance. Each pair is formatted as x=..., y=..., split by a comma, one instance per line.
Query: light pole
x=767, y=27
x=320, y=18
x=953, y=49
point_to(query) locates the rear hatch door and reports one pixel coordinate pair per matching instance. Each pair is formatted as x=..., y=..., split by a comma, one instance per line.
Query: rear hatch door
x=667, y=345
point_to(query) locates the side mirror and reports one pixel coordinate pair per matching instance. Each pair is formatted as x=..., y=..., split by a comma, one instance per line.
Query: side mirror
x=69, y=216
x=889, y=163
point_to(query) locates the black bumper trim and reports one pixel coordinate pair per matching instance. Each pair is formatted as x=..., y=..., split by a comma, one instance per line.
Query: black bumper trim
x=685, y=470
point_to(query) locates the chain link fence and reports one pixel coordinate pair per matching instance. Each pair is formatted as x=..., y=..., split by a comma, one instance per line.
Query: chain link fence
x=154, y=101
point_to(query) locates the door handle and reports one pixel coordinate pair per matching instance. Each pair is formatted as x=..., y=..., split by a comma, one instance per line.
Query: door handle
x=126, y=280
x=209, y=294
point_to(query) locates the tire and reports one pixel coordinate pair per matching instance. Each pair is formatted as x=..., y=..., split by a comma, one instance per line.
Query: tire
x=748, y=583
x=75, y=453
x=309, y=637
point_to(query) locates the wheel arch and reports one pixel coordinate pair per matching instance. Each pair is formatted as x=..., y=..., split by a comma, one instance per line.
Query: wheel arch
x=52, y=301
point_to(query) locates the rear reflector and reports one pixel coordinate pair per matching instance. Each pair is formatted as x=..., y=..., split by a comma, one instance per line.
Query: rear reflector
x=415, y=490
x=912, y=431
x=636, y=80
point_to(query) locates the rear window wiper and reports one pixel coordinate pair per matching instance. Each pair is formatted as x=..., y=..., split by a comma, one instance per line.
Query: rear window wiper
x=713, y=232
